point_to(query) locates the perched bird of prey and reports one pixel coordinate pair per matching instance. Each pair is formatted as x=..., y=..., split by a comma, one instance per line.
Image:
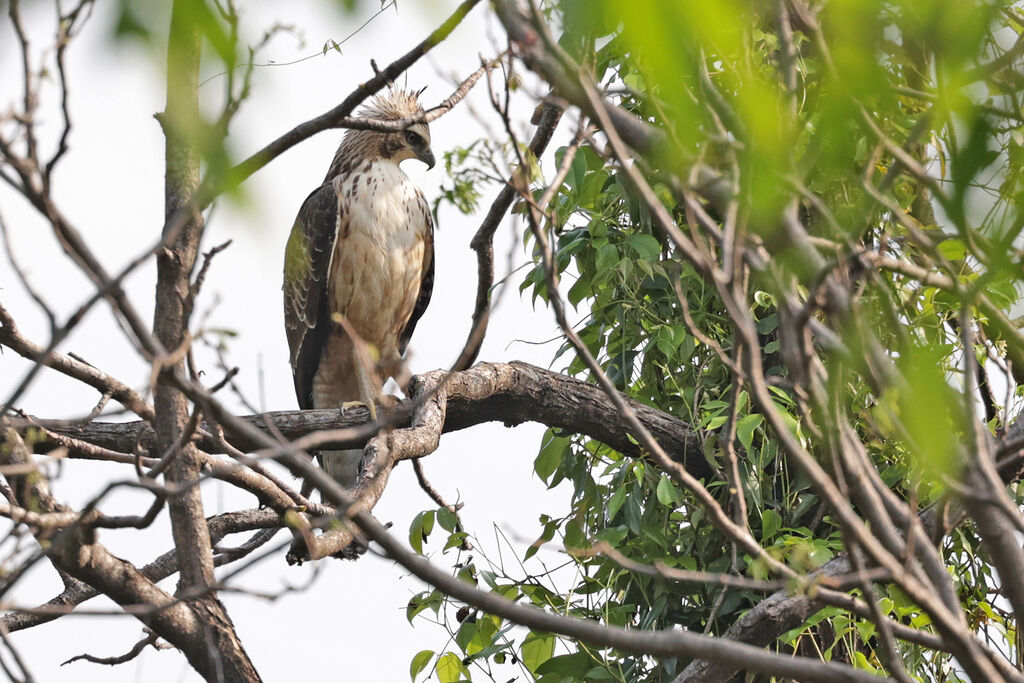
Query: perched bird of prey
x=359, y=269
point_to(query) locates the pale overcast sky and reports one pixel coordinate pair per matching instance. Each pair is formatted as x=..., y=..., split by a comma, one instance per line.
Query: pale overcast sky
x=351, y=623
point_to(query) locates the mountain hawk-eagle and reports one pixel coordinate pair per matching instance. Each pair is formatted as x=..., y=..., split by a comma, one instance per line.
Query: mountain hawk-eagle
x=359, y=269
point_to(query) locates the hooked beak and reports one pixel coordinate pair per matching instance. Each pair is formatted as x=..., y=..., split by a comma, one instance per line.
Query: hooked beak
x=427, y=157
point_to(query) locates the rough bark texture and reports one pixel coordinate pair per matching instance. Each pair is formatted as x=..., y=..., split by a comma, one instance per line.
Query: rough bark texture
x=514, y=393
x=76, y=551
x=511, y=393
x=221, y=656
x=173, y=301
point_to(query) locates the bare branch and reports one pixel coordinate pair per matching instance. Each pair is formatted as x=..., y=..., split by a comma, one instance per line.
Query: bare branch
x=547, y=118
x=331, y=118
x=136, y=650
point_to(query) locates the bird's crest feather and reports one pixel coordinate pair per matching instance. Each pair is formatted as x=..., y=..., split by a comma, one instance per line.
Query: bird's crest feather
x=393, y=104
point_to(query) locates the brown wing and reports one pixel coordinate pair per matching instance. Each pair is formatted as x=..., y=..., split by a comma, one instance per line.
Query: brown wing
x=421, y=212
x=306, y=267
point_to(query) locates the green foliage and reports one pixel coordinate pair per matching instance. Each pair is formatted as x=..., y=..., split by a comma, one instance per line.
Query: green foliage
x=463, y=168
x=449, y=668
x=419, y=530
x=419, y=663
x=537, y=649
x=804, y=132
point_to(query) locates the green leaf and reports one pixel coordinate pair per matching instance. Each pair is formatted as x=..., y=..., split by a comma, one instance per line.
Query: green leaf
x=593, y=160
x=464, y=637
x=550, y=456
x=768, y=323
x=647, y=246
x=613, y=536
x=716, y=421
x=447, y=519
x=665, y=340
x=421, y=601
x=927, y=400
x=449, y=668
x=477, y=635
x=667, y=493
x=419, y=663
x=607, y=258
x=546, y=535
x=771, y=522
x=468, y=574
x=590, y=191
x=420, y=528
x=455, y=539
x=745, y=429
x=537, y=649
x=580, y=290
x=633, y=513
x=862, y=662
x=573, y=667
x=574, y=537
x=953, y=249
x=616, y=501
x=577, y=171
x=599, y=673
x=866, y=630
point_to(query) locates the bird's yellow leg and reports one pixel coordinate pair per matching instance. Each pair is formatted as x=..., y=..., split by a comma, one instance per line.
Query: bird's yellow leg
x=363, y=357
x=349, y=405
x=368, y=390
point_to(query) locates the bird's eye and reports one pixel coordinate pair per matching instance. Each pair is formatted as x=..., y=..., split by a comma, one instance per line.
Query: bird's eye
x=413, y=138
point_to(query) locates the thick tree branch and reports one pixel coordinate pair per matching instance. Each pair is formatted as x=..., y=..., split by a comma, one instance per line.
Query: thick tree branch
x=166, y=565
x=511, y=393
x=226, y=658
x=657, y=643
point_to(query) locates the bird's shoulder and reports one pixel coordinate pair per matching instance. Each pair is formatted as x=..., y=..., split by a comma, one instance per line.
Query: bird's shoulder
x=308, y=252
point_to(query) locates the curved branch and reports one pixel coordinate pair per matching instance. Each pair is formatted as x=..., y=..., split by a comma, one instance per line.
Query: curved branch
x=511, y=393
x=166, y=565
x=483, y=241
x=532, y=45
x=76, y=369
x=77, y=552
x=666, y=643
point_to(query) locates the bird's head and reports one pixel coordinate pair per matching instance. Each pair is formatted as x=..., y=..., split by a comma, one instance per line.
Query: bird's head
x=411, y=143
x=414, y=144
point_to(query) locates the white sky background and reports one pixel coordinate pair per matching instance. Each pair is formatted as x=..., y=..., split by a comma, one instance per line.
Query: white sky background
x=351, y=623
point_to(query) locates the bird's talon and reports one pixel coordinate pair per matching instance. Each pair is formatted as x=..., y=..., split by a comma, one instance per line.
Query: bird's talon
x=349, y=405
x=370, y=407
